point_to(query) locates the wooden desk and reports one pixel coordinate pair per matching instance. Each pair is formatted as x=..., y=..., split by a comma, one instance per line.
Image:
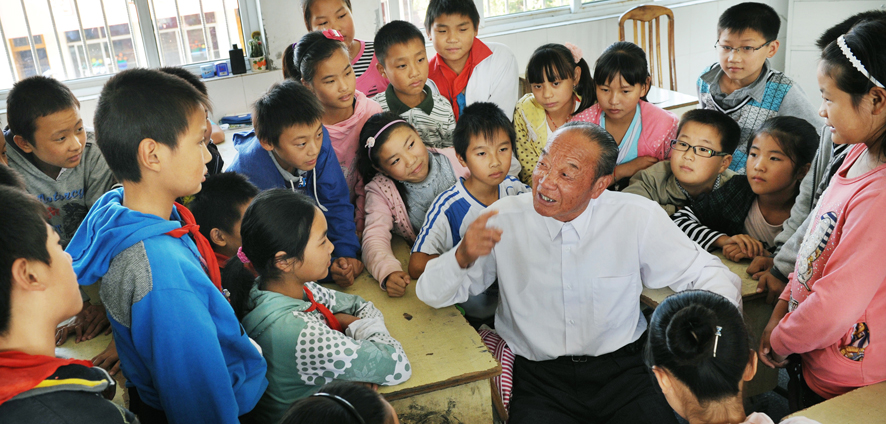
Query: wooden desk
x=862, y=405
x=670, y=100
x=652, y=297
x=451, y=367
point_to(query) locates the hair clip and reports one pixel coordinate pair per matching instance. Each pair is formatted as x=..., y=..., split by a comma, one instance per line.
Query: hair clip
x=370, y=142
x=575, y=50
x=841, y=41
x=717, y=339
x=242, y=256
x=344, y=403
x=333, y=34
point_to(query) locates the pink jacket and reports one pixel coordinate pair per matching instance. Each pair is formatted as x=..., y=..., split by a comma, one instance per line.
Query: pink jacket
x=345, y=138
x=659, y=128
x=386, y=213
x=371, y=82
x=837, y=292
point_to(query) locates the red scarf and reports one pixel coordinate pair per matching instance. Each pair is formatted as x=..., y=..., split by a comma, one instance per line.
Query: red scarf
x=22, y=372
x=207, y=255
x=331, y=320
x=451, y=84
x=221, y=259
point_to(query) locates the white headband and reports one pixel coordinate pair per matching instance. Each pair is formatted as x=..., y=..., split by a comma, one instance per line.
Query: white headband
x=841, y=41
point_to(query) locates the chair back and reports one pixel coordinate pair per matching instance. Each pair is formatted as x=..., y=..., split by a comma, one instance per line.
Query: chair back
x=647, y=17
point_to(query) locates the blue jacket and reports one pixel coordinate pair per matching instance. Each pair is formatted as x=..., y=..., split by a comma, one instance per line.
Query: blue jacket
x=177, y=336
x=326, y=185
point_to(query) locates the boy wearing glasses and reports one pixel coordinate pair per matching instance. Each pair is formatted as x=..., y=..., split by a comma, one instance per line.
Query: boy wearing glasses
x=743, y=84
x=699, y=162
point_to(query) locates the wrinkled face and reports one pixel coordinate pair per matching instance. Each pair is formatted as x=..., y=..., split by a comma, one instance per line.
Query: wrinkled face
x=334, y=81
x=187, y=162
x=769, y=169
x=553, y=96
x=333, y=14
x=403, y=156
x=298, y=147
x=847, y=124
x=563, y=178
x=618, y=99
x=406, y=67
x=318, y=252
x=453, y=36
x=61, y=277
x=488, y=160
x=59, y=139
x=746, y=63
x=691, y=169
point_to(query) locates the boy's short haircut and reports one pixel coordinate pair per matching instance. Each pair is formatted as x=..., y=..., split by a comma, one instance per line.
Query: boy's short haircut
x=730, y=132
x=10, y=178
x=286, y=104
x=191, y=78
x=831, y=34
x=33, y=98
x=438, y=8
x=22, y=235
x=481, y=119
x=750, y=16
x=137, y=104
x=218, y=203
x=393, y=33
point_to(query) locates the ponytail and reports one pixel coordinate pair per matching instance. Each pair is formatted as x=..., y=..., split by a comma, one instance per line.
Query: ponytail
x=238, y=280
x=289, y=62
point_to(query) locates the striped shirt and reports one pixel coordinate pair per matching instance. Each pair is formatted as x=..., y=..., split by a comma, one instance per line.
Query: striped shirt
x=433, y=119
x=363, y=61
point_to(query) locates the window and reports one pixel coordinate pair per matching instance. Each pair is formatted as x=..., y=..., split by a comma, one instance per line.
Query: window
x=414, y=11
x=70, y=39
x=505, y=7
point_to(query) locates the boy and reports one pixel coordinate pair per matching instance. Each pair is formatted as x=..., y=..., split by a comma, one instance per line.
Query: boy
x=699, y=160
x=403, y=60
x=218, y=209
x=38, y=290
x=184, y=354
x=290, y=148
x=4, y=159
x=465, y=69
x=484, y=139
x=743, y=84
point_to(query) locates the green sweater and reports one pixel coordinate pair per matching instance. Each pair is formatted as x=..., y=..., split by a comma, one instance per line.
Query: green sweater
x=657, y=183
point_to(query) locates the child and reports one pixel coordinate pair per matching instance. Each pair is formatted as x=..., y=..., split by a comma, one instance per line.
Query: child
x=290, y=148
x=743, y=84
x=181, y=348
x=4, y=159
x=55, y=154
x=562, y=87
x=214, y=134
x=338, y=403
x=322, y=66
x=698, y=165
x=465, y=69
x=404, y=179
x=403, y=60
x=38, y=290
x=642, y=130
x=699, y=351
x=284, y=239
x=745, y=215
x=336, y=15
x=218, y=209
x=834, y=302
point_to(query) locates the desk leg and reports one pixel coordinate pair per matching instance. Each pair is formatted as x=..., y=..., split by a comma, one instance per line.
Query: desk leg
x=468, y=403
x=758, y=314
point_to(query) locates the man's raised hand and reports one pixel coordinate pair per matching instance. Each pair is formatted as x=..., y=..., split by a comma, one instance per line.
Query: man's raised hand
x=478, y=240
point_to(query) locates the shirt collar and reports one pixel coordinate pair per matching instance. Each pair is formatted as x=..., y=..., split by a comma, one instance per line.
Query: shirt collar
x=756, y=90
x=286, y=174
x=581, y=223
x=398, y=107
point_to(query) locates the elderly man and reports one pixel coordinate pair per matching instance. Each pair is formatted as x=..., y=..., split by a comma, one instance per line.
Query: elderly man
x=571, y=260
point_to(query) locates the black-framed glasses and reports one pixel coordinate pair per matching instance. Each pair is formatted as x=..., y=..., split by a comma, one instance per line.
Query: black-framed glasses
x=739, y=50
x=701, y=151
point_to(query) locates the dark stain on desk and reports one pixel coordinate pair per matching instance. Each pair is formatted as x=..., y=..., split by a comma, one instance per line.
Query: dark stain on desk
x=419, y=414
x=407, y=316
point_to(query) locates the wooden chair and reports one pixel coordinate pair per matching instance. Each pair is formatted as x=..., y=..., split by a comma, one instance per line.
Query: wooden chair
x=649, y=15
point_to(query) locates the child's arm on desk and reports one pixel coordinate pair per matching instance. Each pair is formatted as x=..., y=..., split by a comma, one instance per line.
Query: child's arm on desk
x=417, y=263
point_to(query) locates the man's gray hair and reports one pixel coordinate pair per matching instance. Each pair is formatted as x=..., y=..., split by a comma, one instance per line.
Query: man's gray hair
x=596, y=134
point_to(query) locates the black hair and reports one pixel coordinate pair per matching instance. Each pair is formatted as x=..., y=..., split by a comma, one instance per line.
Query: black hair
x=622, y=58
x=140, y=103
x=306, y=10
x=301, y=59
x=796, y=137
x=285, y=104
x=831, y=34
x=218, y=203
x=555, y=62
x=190, y=77
x=864, y=40
x=22, y=235
x=277, y=220
x=437, y=8
x=682, y=334
x=36, y=97
x=480, y=119
x=750, y=16
x=324, y=409
x=730, y=132
x=10, y=178
x=608, y=147
x=392, y=34
x=367, y=159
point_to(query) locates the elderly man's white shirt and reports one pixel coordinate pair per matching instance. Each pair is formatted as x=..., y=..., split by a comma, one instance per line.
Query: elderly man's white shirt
x=574, y=288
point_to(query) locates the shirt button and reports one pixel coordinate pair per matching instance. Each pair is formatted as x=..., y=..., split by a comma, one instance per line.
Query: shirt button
x=572, y=322
x=568, y=249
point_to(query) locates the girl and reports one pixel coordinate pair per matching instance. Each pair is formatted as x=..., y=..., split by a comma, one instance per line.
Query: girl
x=404, y=179
x=744, y=216
x=836, y=297
x=699, y=351
x=562, y=87
x=342, y=403
x=336, y=14
x=286, y=313
x=642, y=130
x=322, y=65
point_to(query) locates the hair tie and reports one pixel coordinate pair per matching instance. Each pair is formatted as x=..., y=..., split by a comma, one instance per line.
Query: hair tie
x=370, y=142
x=575, y=50
x=242, y=256
x=841, y=41
x=344, y=403
x=333, y=34
x=717, y=339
